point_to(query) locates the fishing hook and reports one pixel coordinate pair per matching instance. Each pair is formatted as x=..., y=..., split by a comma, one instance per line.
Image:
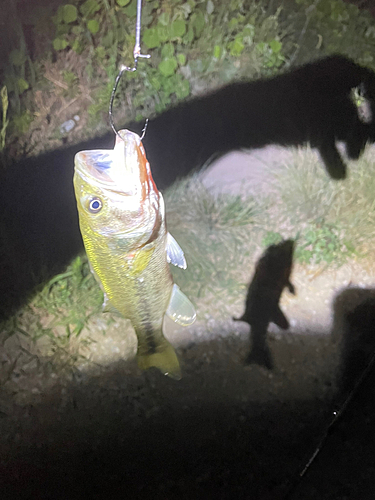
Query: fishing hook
x=136, y=54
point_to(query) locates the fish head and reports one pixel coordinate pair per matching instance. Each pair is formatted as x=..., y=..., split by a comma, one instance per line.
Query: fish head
x=115, y=191
x=287, y=247
x=281, y=251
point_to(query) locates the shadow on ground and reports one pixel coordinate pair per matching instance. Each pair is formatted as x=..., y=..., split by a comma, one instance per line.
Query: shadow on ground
x=223, y=431
x=121, y=434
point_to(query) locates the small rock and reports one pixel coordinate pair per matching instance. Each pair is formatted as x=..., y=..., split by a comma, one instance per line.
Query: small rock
x=67, y=126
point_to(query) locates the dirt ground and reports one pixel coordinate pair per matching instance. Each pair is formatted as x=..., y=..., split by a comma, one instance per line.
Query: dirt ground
x=106, y=430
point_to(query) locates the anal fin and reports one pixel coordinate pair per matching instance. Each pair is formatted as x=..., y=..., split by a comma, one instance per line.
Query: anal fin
x=180, y=309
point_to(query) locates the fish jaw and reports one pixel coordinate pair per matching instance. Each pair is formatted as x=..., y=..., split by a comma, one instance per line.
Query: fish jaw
x=122, y=169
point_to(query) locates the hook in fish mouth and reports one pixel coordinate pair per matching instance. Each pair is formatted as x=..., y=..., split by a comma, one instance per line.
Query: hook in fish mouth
x=117, y=169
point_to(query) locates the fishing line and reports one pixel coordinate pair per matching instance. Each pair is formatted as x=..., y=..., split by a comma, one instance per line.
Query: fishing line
x=136, y=54
x=336, y=415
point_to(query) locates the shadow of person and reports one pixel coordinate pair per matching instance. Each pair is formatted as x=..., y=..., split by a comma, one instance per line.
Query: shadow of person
x=354, y=330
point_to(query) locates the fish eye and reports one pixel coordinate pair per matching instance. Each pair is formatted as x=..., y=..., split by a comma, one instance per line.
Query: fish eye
x=95, y=205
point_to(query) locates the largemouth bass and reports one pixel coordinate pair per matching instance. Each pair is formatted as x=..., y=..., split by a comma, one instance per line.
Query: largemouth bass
x=122, y=221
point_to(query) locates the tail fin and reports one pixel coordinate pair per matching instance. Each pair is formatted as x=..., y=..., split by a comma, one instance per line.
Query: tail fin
x=164, y=358
x=260, y=356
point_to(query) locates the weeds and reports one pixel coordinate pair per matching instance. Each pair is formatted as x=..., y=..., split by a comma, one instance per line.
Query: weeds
x=271, y=238
x=321, y=242
x=50, y=328
x=5, y=121
x=333, y=220
x=194, y=45
x=70, y=298
x=330, y=221
x=217, y=234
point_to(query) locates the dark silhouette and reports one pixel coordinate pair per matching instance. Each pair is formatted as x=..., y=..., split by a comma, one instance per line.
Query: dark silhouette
x=39, y=231
x=311, y=104
x=271, y=276
x=358, y=344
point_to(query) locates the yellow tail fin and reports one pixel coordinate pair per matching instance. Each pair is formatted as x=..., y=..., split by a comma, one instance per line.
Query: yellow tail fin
x=164, y=358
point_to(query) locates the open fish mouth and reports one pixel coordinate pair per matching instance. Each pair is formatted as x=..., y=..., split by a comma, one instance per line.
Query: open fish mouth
x=117, y=169
x=103, y=173
x=96, y=166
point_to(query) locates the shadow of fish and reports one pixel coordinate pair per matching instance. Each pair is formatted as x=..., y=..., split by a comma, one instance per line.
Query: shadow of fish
x=272, y=275
x=122, y=222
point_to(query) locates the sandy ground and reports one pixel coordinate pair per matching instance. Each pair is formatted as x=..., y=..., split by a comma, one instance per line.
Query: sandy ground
x=245, y=172
x=226, y=429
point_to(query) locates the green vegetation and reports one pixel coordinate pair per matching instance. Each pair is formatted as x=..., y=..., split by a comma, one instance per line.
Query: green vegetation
x=49, y=327
x=75, y=286
x=337, y=26
x=309, y=197
x=322, y=242
x=185, y=40
x=4, y=121
x=216, y=234
x=271, y=238
x=194, y=45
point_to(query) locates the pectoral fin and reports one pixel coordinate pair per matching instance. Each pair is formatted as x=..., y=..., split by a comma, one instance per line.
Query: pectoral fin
x=180, y=309
x=175, y=255
x=279, y=318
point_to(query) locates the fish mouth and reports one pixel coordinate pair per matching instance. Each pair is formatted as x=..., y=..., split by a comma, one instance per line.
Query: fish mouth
x=91, y=167
x=117, y=168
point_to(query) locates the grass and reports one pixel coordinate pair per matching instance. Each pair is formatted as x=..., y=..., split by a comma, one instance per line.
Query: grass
x=239, y=39
x=222, y=237
x=48, y=328
x=341, y=214
x=216, y=234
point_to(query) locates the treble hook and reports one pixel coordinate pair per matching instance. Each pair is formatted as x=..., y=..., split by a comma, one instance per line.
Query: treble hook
x=136, y=54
